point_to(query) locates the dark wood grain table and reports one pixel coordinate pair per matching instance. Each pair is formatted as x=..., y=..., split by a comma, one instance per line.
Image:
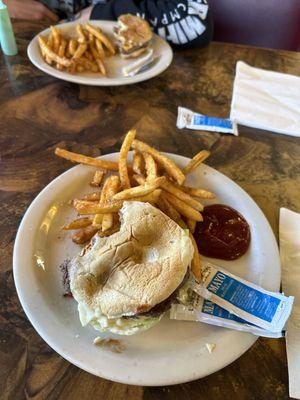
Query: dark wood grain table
x=39, y=112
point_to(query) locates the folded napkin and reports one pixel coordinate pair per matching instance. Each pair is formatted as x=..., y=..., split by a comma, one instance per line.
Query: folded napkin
x=266, y=100
x=289, y=237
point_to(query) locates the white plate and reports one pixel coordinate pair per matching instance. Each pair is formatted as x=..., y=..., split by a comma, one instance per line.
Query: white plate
x=171, y=352
x=162, y=53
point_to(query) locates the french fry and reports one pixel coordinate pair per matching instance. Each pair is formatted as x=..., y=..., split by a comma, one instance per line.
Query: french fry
x=67, y=53
x=92, y=196
x=201, y=193
x=73, y=44
x=101, y=66
x=107, y=221
x=152, y=197
x=196, y=161
x=170, y=211
x=171, y=168
x=150, y=167
x=183, y=208
x=91, y=38
x=51, y=55
x=84, y=235
x=81, y=159
x=113, y=188
x=79, y=51
x=97, y=58
x=139, y=179
x=50, y=45
x=61, y=52
x=62, y=47
x=50, y=41
x=115, y=228
x=88, y=207
x=97, y=179
x=191, y=225
x=77, y=224
x=56, y=38
x=93, y=50
x=100, y=35
x=123, y=169
x=97, y=221
x=141, y=190
x=196, y=263
x=82, y=37
x=168, y=186
x=138, y=163
x=100, y=48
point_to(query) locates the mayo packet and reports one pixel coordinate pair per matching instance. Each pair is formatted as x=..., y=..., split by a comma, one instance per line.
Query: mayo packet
x=210, y=313
x=267, y=310
x=188, y=119
x=135, y=67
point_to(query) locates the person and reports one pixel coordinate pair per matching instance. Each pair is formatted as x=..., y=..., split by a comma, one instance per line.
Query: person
x=183, y=23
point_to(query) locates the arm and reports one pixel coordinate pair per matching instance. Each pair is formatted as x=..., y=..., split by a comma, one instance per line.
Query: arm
x=29, y=9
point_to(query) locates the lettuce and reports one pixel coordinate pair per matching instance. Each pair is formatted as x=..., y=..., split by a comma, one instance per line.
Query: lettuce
x=120, y=326
x=125, y=326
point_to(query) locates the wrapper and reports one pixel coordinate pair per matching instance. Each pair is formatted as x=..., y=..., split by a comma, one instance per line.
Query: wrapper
x=191, y=120
x=210, y=313
x=251, y=303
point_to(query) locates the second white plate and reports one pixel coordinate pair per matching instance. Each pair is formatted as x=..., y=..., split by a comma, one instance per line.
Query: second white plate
x=163, y=55
x=171, y=352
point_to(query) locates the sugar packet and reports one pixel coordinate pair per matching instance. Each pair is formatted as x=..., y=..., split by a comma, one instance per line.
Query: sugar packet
x=191, y=120
x=265, y=309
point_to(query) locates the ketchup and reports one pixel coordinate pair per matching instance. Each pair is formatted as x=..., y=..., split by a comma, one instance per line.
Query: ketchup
x=224, y=233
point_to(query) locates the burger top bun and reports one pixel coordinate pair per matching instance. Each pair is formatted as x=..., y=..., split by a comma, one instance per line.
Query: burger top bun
x=133, y=35
x=135, y=29
x=134, y=269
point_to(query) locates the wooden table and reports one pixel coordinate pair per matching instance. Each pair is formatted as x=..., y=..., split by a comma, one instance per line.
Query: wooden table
x=38, y=113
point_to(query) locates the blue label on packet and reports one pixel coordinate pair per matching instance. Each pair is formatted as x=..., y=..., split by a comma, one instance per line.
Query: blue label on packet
x=248, y=299
x=213, y=309
x=212, y=121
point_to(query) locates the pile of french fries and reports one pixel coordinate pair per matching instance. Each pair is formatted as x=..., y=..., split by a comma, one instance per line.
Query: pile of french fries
x=86, y=52
x=151, y=177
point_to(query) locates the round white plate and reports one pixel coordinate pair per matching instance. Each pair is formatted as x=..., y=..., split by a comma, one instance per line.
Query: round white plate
x=163, y=55
x=171, y=352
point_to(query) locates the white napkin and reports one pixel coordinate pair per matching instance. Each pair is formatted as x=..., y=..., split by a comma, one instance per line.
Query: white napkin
x=289, y=237
x=266, y=100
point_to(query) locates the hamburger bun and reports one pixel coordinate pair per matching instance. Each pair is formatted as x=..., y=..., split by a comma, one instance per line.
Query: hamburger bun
x=133, y=35
x=133, y=270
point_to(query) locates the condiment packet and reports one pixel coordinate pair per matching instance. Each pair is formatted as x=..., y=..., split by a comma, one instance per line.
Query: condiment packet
x=134, y=68
x=267, y=310
x=191, y=120
x=210, y=313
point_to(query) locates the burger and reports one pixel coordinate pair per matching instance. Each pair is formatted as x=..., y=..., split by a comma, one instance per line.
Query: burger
x=124, y=283
x=133, y=35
